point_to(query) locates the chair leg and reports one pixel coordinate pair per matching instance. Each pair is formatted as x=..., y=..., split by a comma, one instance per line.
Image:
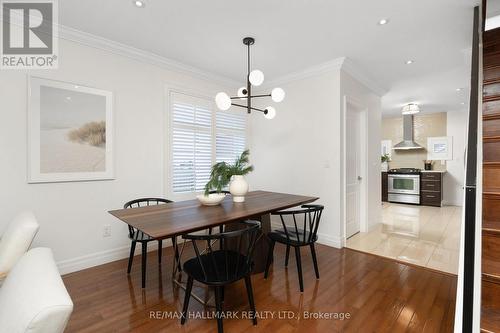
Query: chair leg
x=221, y=230
x=187, y=296
x=315, y=260
x=269, y=258
x=131, y=257
x=218, y=307
x=160, y=250
x=144, y=258
x=287, y=255
x=248, y=283
x=299, y=267
x=176, y=254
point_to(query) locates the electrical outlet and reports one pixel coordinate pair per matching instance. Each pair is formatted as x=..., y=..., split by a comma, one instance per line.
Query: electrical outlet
x=106, y=231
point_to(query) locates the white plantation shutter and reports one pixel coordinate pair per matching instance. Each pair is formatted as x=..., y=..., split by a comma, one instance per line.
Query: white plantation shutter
x=191, y=143
x=200, y=138
x=230, y=135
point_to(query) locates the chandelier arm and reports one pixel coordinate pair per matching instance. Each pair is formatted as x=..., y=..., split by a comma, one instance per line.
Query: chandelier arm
x=245, y=107
x=243, y=97
x=266, y=95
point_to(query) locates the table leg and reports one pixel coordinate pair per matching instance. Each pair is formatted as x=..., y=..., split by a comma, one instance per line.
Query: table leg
x=261, y=245
x=177, y=269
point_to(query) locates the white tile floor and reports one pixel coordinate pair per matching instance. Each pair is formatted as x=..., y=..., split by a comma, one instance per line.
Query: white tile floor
x=421, y=235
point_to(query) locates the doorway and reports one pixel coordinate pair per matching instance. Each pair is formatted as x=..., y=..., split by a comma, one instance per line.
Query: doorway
x=355, y=156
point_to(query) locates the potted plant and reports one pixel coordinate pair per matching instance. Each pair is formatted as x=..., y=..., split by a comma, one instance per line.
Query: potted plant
x=385, y=159
x=233, y=174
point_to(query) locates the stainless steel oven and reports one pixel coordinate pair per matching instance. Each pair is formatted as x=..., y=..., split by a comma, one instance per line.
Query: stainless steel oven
x=404, y=188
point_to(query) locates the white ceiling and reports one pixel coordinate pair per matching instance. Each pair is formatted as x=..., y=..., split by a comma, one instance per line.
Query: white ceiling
x=296, y=34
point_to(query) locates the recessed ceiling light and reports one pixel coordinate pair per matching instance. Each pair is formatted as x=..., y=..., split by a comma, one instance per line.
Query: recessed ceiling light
x=463, y=103
x=409, y=62
x=139, y=3
x=383, y=21
x=459, y=89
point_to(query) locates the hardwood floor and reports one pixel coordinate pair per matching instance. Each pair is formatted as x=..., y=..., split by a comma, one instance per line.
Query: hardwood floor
x=380, y=295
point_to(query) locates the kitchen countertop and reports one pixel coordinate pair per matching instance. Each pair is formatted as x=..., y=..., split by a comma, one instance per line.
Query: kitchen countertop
x=431, y=171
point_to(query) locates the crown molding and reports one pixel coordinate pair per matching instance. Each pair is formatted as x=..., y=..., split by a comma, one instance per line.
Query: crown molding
x=322, y=68
x=101, y=43
x=350, y=68
x=342, y=63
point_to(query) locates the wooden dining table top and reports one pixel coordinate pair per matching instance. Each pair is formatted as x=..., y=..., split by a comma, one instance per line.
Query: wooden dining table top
x=177, y=218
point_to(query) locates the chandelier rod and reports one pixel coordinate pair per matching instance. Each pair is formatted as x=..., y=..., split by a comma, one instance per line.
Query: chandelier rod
x=243, y=106
x=239, y=97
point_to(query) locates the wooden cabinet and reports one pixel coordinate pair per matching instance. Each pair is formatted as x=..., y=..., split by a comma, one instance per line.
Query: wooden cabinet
x=431, y=188
x=385, y=187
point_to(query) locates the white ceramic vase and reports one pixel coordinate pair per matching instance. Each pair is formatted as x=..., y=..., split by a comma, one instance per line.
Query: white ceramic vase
x=238, y=188
x=385, y=166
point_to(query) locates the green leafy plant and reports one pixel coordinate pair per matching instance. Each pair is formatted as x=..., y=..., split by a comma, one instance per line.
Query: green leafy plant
x=385, y=158
x=222, y=172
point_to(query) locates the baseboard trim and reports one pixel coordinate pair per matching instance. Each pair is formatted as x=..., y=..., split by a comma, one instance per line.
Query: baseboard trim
x=330, y=241
x=102, y=257
x=322, y=238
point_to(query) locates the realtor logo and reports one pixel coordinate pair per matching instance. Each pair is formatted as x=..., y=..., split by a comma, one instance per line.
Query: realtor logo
x=29, y=34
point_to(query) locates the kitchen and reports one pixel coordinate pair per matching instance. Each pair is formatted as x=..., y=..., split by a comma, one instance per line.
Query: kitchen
x=422, y=158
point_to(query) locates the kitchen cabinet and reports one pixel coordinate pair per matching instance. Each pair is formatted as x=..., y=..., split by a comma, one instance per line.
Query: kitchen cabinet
x=385, y=187
x=431, y=188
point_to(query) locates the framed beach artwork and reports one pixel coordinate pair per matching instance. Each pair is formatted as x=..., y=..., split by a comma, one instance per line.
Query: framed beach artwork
x=70, y=132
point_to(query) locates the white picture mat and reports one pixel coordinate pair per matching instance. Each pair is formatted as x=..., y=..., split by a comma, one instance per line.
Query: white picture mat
x=34, y=174
x=440, y=148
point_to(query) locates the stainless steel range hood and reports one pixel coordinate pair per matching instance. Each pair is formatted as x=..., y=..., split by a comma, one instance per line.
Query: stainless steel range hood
x=407, y=142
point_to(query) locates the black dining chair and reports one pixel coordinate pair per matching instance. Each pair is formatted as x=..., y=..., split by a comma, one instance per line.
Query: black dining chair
x=137, y=236
x=303, y=232
x=218, y=268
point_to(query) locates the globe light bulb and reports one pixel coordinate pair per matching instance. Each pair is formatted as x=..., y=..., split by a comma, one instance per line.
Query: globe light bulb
x=271, y=112
x=256, y=77
x=223, y=101
x=278, y=95
x=242, y=93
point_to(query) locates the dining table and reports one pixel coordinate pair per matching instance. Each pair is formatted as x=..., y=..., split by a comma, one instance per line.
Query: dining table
x=182, y=217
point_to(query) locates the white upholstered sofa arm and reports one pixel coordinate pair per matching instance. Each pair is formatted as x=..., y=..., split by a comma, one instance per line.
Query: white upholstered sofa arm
x=33, y=297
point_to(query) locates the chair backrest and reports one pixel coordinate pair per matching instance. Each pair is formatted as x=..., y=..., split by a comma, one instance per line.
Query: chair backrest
x=305, y=222
x=16, y=240
x=33, y=298
x=141, y=203
x=234, y=256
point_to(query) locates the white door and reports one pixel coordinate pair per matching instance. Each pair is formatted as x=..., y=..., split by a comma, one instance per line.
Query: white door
x=353, y=169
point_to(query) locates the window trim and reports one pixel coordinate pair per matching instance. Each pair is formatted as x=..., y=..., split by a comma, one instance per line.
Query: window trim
x=167, y=170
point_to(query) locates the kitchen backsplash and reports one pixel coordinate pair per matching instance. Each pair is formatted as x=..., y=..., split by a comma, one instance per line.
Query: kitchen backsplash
x=424, y=126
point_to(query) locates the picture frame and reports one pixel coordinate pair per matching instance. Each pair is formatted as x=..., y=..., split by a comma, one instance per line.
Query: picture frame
x=440, y=148
x=70, y=132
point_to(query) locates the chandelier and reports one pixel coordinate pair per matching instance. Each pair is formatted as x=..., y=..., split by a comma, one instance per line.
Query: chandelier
x=254, y=78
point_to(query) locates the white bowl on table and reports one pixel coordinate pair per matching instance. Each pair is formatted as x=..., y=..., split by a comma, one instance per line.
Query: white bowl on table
x=212, y=199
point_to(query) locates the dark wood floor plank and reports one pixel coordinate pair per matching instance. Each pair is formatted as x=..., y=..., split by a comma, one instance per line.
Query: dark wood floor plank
x=381, y=295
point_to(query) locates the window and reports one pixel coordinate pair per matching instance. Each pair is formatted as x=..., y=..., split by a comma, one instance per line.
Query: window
x=200, y=138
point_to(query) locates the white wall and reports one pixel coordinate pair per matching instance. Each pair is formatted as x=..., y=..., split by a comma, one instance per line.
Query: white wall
x=456, y=126
x=72, y=215
x=370, y=102
x=297, y=152
x=301, y=150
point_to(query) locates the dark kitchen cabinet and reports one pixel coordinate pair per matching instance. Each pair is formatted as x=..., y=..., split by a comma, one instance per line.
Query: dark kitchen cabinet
x=385, y=187
x=431, y=189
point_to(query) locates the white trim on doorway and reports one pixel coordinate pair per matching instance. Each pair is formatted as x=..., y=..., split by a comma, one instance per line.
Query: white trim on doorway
x=360, y=107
